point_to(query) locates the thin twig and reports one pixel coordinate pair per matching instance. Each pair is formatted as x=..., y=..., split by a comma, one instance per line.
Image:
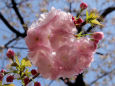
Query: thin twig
x=11, y=27
x=99, y=53
x=6, y=45
x=105, y=74
x=34, y=77
x=17, y=47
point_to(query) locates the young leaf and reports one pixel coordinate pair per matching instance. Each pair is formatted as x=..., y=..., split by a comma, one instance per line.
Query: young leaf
x=95, y=22
x=87, y=14
x=27, y=72
x=93, y=15
x=26, y=62
x=9, y=85
x=17, y=61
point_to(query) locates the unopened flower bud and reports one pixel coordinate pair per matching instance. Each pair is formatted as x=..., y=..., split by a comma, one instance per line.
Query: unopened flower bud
x=1, y=76
x=2, y=71
x=73, y=18
x=33, y=72
x=80, y=20
x=83, y=5
x=10, y=53
x=10, y=78
x=26, y=80
x=98, y=35
x=37, y=84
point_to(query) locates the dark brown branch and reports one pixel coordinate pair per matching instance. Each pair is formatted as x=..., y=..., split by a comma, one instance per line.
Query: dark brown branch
x=78, y=82
x=14, y=6
x=67, y=81
x=107, y=11
x=99, y=53
x=17, y=47
x=10, y=27
x=79, y=28
x=34, y=77
x=6, y=45
x=70, y=7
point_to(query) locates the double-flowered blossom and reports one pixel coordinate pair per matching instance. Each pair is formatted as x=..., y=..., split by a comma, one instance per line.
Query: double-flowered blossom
x=55, y=50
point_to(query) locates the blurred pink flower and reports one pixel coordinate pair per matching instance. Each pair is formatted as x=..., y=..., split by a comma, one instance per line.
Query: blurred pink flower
x=54, y=49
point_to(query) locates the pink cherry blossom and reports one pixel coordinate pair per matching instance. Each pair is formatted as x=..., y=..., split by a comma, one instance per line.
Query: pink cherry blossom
x=54, y=49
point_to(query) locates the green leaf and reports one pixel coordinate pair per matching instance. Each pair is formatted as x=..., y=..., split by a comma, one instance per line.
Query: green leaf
x=79, y=35
x=9, y=85
x=17, y=61
x=26, y=62
x=27, y=72
x=22, y=68
x=93, y=15
x=15, y=71
x=87, y=14
x=95, y=22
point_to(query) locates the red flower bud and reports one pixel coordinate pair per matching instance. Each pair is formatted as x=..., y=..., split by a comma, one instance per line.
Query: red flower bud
x=26, y=80
x=2, y=71
x=10, y=53
x=10, y=78
x=83, y=5
x=1, y=76
x=98, y=35
x=73, y=18
x=80, y=20
x=33, y=72
x=75, y=22
x=96, y=41
x=37, y=84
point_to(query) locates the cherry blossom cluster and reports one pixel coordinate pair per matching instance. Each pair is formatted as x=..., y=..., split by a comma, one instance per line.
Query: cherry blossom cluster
x=54, y=48
x=11, y=75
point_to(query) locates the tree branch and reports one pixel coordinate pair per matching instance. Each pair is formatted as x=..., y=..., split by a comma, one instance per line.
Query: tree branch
x=17, y=47
x=107, y=11
x=78, y=82
x=10, y=27
x=34, y=77
x=6, y=45
x=99, y=53
x=19, y=15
